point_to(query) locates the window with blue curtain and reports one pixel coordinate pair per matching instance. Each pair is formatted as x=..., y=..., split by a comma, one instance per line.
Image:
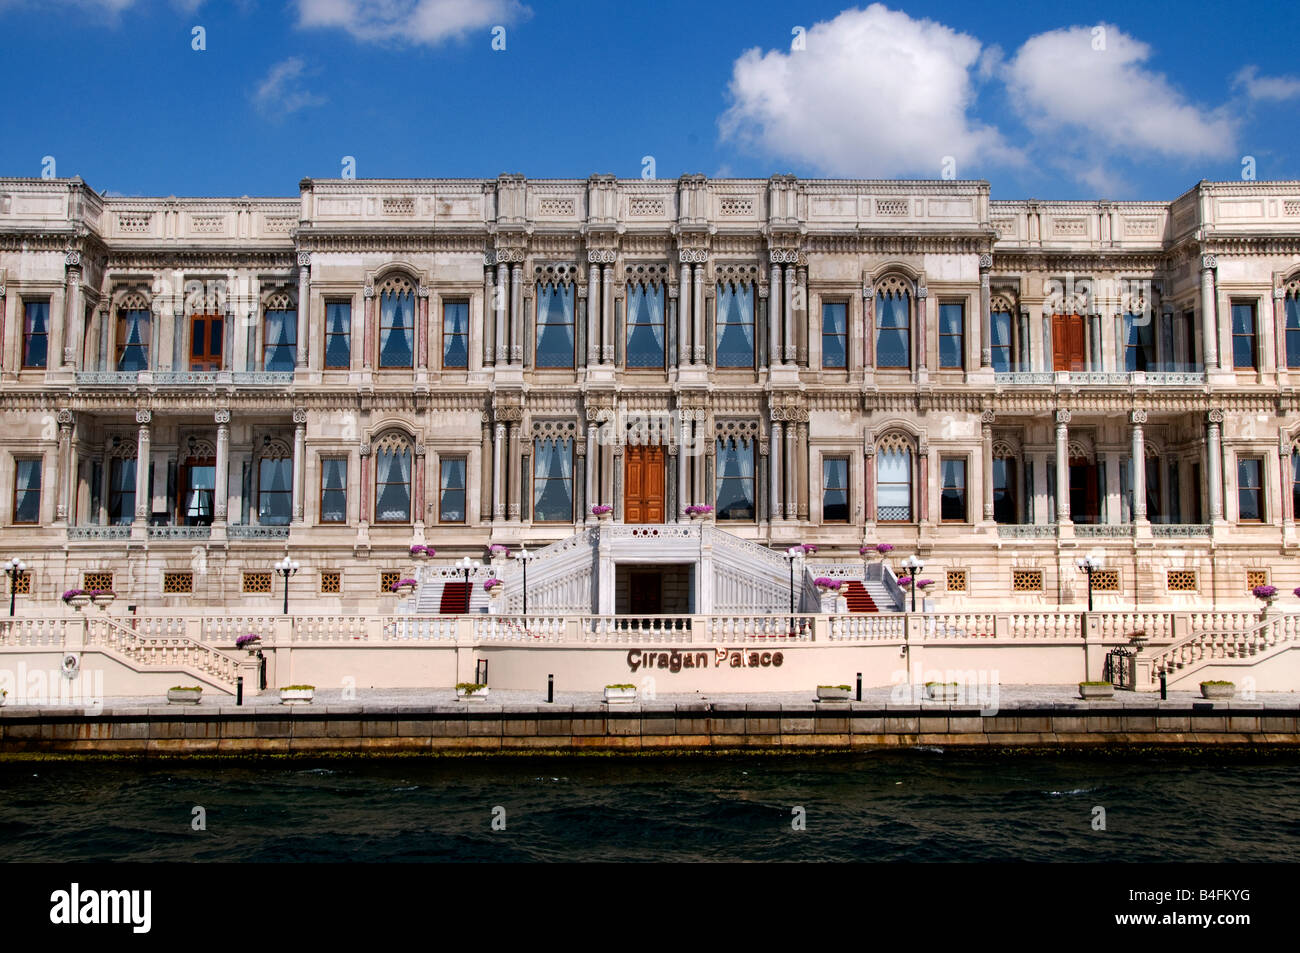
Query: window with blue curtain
x=1250, y=490
x=555, y=325
x=338, y=335
x=36, y=331
x=835, y=490
x=893, y=329
x=121, y=492
x=393, y=484
x=334, y=490
x=734, y=479
x=27, y=491
x=645, y=325
x=952, y=336
x=397, y=329
x=1293, y=330
x=894, y=486
x=280, y=344
x=553, y=481
x=455, y=334
x=133, y=340
x=275, y=491
x=451, y=490
x=735, y=325
x=1000, y=351
x=1139, y=342
x=1243, y=336
x=835, y=335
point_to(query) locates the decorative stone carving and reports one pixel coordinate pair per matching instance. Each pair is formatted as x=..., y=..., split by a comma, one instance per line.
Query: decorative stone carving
x=784, y=256
x=1215, y=416
x=1137, y=417
x=369, y=290
x=1278, y=293
x=420, y=450
x=868, y=291
x=300, y=416
x=64, y=417
x=304, y=259
x=1209, y=262
x=143, y=416
x=422, y=291
x=364, y=449
x=1063, y=416
x=987, y=417
x=696, y=256
x=603, y=256
x=986, y=262
x=72, y=259
x=922, y=292
x=222, y=416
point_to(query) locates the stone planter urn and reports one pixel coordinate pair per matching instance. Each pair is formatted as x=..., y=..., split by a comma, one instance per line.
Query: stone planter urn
x=941, y=691
x=297, y=694
x=184, y=696
x=1138, y=640
x=77, y=599
x=103, y=600
x=469, y=692
x=833, y=693
x=620, y=694
x=1220, y=690
x=1089, y=690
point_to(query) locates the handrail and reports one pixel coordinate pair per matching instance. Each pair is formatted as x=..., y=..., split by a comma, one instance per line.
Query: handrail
x=172, y=649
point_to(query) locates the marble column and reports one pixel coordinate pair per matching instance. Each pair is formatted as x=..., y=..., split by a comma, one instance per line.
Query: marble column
x=787, y=308
x=65, y=482
x=1279, y=328
x=304, y=307
x=684, y=334
x=1209, y=319
x=498, y=473
x=366, y=494
x=1214, y=463
x=1062, y=466
x=591, y=498
x=143, y=463
x=686, y=451
x=485, y=474
x=422, y=327
x=368, y=345
x=774, y=463
x=4, y=304
x=500, y=301
x=868, y=328
x=869, y=485
x=1286, y=483
x=1137, y=418
x=489, y=319
x=697, y=309
x=775, y=297
x=986, y=319
x=514, y=465
x=593, y=316
x=923, y=483
x=419, y=505
x=516, y=314
x=791, y=472
x=221, y=485
x=986, y=437
x=299, y=461
x=607, y=315
x=922, y=322
x=801, y=317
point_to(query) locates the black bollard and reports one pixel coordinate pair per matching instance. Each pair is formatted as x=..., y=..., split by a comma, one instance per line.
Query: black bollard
x=550, y=688
x=859, y=686
x=1164, y=694
x=239, y=689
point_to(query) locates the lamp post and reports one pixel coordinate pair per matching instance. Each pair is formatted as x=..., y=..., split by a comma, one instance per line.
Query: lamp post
x=913, y=566
x=1089, y=565
x=287, y=567
x=467, y=564
x=791, y=556
x=13, y=569
x=523, y=555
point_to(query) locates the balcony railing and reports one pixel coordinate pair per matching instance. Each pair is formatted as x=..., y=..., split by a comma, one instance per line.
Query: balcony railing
x=1103, y=530
x=246, y=531
x=263, y=378
x=1024, y=377
x=107, y=378
x=1161, y=378
x=1180, y=529
x=174, y=378
x=187, y=377
x=100, y=532
x=180, y=532
x=1026, y=530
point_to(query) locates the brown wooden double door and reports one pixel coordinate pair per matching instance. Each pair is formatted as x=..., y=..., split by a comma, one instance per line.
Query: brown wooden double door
x=1068, y=333
x=643, y=494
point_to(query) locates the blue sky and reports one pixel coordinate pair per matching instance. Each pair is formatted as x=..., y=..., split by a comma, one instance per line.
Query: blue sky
x=1113, y=100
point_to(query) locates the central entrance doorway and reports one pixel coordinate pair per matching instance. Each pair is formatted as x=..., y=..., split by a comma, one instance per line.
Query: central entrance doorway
x=653, y=589
x=643, y=494
x=1068, y=332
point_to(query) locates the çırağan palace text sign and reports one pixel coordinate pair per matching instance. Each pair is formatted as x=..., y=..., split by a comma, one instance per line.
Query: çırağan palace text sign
x=674, y=660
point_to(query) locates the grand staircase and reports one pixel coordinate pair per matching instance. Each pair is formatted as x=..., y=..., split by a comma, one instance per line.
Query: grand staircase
x=438, y=596
x=858, y=599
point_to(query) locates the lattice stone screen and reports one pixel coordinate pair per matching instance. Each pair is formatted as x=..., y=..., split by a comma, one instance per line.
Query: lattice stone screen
x=386, y=580
x=176, y=583
x=257, y=582
x=1181, y=580
x=956, y=580
x=1027, y=580
x=1256, y=577
x=97, y=580
x=21, y=584
x=1105, y=580
x=331, y=581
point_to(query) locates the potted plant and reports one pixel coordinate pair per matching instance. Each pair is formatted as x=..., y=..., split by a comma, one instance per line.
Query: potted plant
x=252, y=642
x=1089, y=690
x=76, y=598
x=827, y=584
x=421, y=552
x=185, y=695
x=102, y=598
x=620, y=694
x=471, y=691
x=404, y=587
x=833, y=693
x=602, y=511
x=884, y=548
x=1266, y=595
x=808, y=548
x=297, y=694
x=498, y=551
x=941, y=691
x=1217, y=689
x=699, y=511
x=494, y=586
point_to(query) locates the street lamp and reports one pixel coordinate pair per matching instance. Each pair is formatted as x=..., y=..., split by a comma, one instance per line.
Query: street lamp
x=13, y=569
x=1089, y=564
x=523, y=555
x=467, y=564
x=913, y=566
x=286, y=567
x=791, y=555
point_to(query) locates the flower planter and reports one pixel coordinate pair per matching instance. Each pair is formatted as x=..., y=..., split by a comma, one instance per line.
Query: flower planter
x=1089, y=690
x=184, y=696
x=297, y=695
x=1217, y=689
x=403, y=591
x=939, y=692
x=103, y=600
x=78, y=601
x=619, y=694
x=470, y=693
x=495, y=591
x=833, y=693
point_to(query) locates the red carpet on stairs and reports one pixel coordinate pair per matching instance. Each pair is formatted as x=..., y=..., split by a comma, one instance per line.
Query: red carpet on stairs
x=455, y=598
x=858, y=599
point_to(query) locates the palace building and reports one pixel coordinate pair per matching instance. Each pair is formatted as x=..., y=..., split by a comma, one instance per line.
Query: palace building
x=193, y=388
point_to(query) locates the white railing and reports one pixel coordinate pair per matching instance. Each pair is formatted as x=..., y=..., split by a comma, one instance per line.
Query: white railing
x=164, y=652
x=867, y=626
x=218, y=630
x=1045, y=625
x=1180, y=529
x=40, y=631
x=958, y=625
x=1209, y=645
x=1118, y=626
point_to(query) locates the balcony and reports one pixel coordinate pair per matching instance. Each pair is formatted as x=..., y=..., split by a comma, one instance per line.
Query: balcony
x=1180, y=529
x=183, y=378
x=180, y=532
x=1027, y=530
x=1103, y=530
x=100, y=532
x=1123, y=379
x=243, y=531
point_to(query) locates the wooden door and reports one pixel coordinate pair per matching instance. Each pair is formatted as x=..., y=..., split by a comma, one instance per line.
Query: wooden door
x=643, y=494
x=206, y=334
x=1068, y=332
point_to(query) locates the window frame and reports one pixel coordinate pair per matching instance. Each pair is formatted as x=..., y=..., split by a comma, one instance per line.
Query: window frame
x=320, y=500
x=965, y=488
x=906, y=328
x=329, y=335
x=408, y=293
x=1258, y=489
x=842, y=336
x=463, y=459
x=409, y=449
x=291, y=328
x=119, y=345
x=960, y=336
x=263, y=492
x=554, y=290
x=1139, y=355
x=541, y=482
x=1253, y=336
x=116, y=495
x=660, y=291
x=443, y=335
x=1291, y=309
x=206, y=320
x=742, y=445
x=847, y=488
x=40, y=490
x=27, y=335
x=910, y=484
x=719, y=326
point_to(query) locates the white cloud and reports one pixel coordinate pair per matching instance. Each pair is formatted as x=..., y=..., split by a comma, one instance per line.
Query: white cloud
x=1273, y=88
x=1078, y=100
x=874, y=94
x=416, y=21
x=282, y=91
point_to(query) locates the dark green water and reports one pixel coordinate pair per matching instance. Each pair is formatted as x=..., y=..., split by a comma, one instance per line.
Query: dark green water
x=922, y=805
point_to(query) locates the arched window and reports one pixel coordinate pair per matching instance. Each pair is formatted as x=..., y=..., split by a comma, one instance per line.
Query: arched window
x=645, y=324
x=280, y=335
x=735, y=324
x=396, y=322
x=393, y=479
x=893, y=323
x=894, y=479
x=553, y=479
x=735, y=479
x=121, y=484
x=1005, y=509
x=275, y=484
x=555, y=324
x=197, y=483
x=133, y=330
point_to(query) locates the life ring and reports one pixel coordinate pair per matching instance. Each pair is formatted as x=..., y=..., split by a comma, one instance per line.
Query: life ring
x=71, y=665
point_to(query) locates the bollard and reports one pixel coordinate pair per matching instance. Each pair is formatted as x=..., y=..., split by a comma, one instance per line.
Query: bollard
x=859, y=686
x=1164, y=694
x=239, y=689
x=550, y=688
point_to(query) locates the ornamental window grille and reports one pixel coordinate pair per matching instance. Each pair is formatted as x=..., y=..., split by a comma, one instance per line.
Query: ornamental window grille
x=1105, y=580
x=331, y=582
x=257, y=583
x=21, y=583
x=1027, y=580
x=387, y=579
x=956, y=580
x=1256, y=577
x=97, y=580
x=1180, y=580
x=177, y=583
